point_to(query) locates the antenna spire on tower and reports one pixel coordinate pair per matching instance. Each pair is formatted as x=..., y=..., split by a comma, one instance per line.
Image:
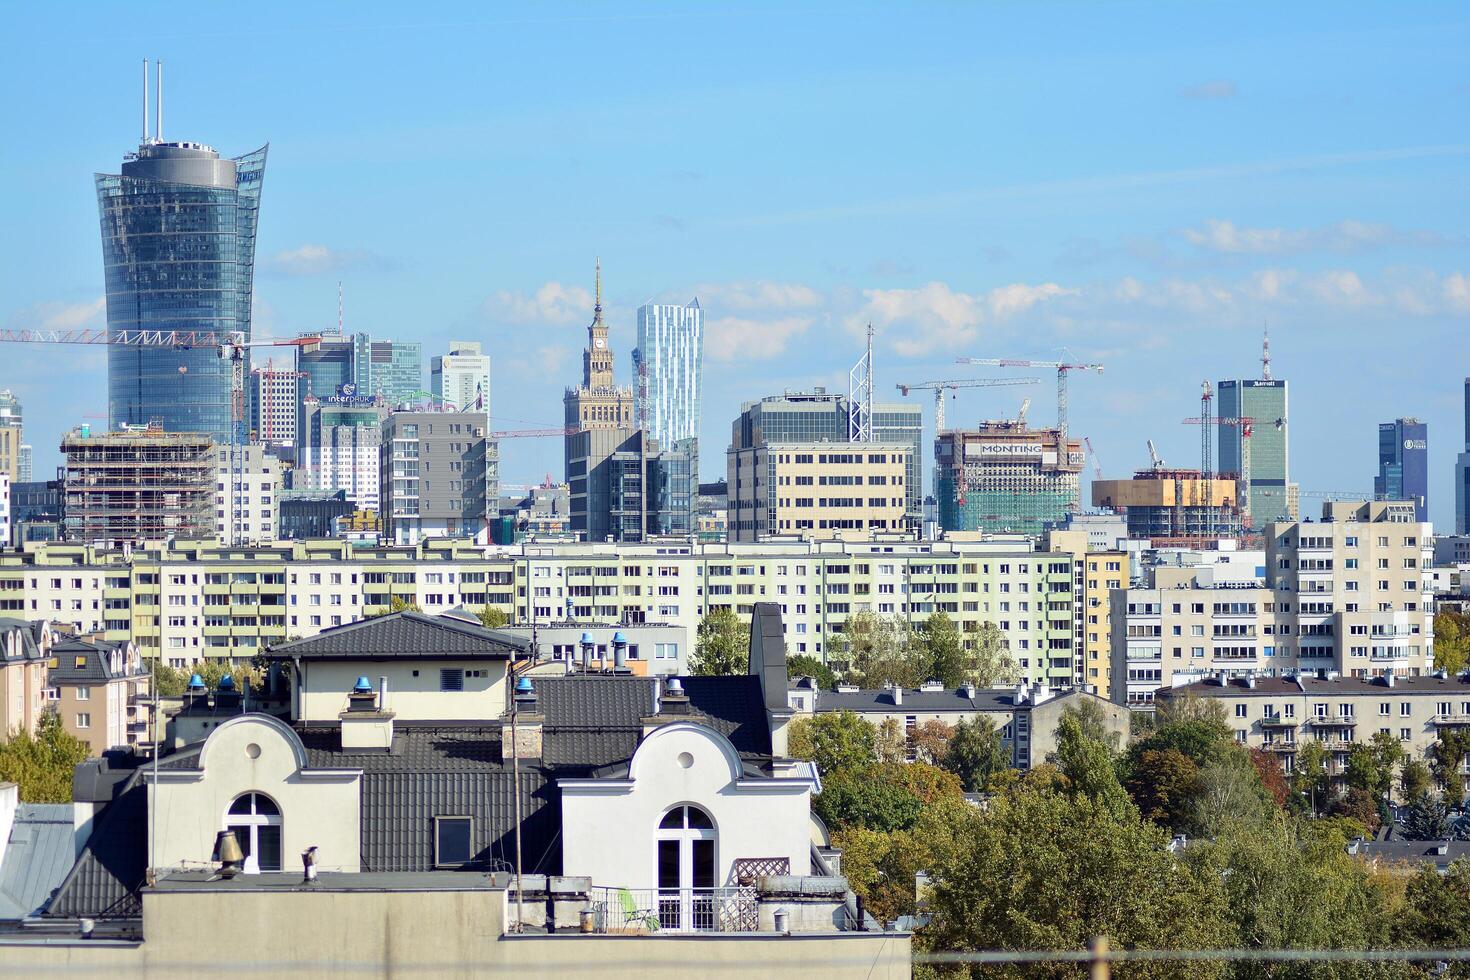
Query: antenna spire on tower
x=1265, y=352
x=145, y=100
x=597, y=308
x=158, y=121
x=339, y=306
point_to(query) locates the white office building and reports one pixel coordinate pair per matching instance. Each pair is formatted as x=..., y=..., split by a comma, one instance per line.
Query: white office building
x=248, y=507
x=461, y=378
x=666, y=368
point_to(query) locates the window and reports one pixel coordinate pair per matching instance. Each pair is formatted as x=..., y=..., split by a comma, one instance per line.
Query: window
x=1241, y=710
x=451, y=679
x=685, y=861
x=84, y=719
x=256, y=821
x=84, y=693
x=453, y=841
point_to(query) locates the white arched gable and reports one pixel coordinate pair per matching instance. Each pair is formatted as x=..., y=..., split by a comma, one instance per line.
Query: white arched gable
x=270, y=722
x=662, y=740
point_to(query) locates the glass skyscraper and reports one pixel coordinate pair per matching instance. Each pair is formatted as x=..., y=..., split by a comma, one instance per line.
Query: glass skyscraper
x=1273, y=496
x=178, y=253
x=1403, y=464
x=666, y=366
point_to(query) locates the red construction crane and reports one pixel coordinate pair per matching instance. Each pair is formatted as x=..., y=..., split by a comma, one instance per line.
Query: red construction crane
x=1063, y=368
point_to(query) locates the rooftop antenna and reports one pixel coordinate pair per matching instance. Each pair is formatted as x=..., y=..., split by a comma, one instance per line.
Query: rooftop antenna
x=1265, y=351
x=145, y=100
x=339, y=306
x=158, y=122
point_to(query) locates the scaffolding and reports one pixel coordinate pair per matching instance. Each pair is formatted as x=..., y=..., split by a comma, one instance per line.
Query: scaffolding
x=139, y=484
x=1003, y=477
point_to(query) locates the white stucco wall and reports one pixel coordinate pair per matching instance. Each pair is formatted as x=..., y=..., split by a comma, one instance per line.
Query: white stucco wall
x=410, y=698
x=318, y=807
x=754, y=817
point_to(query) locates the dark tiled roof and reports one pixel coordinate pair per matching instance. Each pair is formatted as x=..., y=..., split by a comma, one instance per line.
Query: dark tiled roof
x=987, y=699
x=594, y=700
x=96, y=662
x=733, y=706
x=1312, y=684
x=30, y=638
x=37, y=858
x=404, y=635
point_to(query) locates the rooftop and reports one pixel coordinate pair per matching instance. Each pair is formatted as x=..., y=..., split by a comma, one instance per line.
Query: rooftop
x=1312, y=684
x=404, y=635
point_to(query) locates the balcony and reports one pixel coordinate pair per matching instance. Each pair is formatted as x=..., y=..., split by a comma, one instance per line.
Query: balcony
x=1452, y=720
x=1276, y=721
x=1280, y=746
x=646, y=911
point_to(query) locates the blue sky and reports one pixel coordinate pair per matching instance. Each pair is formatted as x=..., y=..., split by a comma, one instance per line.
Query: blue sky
x=1142, y=184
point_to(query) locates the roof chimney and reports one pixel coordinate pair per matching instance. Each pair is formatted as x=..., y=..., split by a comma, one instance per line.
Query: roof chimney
x=896, y=693
x=672, y=705
x=366, y=725
x=522, y=737
x=620, y=653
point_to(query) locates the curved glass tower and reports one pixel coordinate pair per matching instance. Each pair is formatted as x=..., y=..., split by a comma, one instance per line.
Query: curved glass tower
x=178, y=252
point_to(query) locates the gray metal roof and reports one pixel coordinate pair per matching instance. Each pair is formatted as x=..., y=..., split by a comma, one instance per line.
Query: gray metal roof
x=404, y=635
x=96, y=662
x=986, y=699
x=40, y=853
x=1428, y=684
x=30, y=638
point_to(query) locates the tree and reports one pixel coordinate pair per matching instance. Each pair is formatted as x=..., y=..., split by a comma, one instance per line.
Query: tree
x=1425, y=818
x=805, y=665
x=1437, y=909
x=834, y=740
x=1230, y=796
x=42, y=764
x=889, y=744
x=940, y=640
x=930, y=742
x=975, y=753
x=1272, y=776
x=169, y=682
x=1414, y=780
x=1191, y=707
x=991, y=663
x=882, y=796
x=1448, y=757
x=1088, y=767
x=1451, y=642
x=1360, y=806
x=1371, y=765
x=1164, y=785
x=493, y=617
x=722, y=645
x=212, y=671
x=881, y=866
x=1041, y=870
x=1092, y=718
x=881, y=653
x=1310, y=776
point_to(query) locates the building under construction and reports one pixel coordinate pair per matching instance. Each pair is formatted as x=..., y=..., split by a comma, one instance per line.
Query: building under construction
x=138, y=484
x=1004, y=477
x=1173, y=507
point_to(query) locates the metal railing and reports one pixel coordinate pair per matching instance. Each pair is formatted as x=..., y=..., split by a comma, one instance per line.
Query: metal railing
x=654, y=910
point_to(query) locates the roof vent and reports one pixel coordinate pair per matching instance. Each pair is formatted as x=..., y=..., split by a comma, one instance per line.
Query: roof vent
x=363, y=686
x=525, y=696
x=227, y=852
x=227, y=682
x=673, y=688
x=968, y=690
x=196, y=683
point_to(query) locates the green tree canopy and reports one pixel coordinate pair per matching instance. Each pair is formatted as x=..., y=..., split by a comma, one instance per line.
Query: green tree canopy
x=41, y=764
x=882, y=796
x=722, y=645
x=1437, y=909
x=834, y=740
x=940, y=641
x=1451, y=642
x=492, y=617
x=975, y=753
x=881, y=651
x=805, y=665
x=1088, y=766
x=1164, y=785
x=990, y=662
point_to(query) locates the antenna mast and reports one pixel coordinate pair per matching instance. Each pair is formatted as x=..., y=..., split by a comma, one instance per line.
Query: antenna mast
x=339, y=306
x=1265, y=352
x=145, y=101
x=158, y=122
x=860, y=396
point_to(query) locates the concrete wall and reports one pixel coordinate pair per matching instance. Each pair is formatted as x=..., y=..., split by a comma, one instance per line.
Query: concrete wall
x=409, y=697
x=435, y=933
x=681, y=763
x=256, y=753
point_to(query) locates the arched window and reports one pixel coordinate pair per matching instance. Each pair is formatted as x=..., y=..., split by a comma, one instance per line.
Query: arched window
x=256, y=821
x=685, y=856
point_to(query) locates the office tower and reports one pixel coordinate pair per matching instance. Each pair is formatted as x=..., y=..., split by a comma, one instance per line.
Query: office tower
x=273, y=405
x=253, y=501
x=178, y=252
x=25, y=462
x=1403, y=464
x=390, y=368
x=806, y=436
x=138, y=485
x=1273, y=497
x=1462, y=475
x=325, y=367
x=599, y=421
x=14, y=461
x=1003, y=477
x=666, y=367
x=340, y=439
x=438, y=476
x=461, y=378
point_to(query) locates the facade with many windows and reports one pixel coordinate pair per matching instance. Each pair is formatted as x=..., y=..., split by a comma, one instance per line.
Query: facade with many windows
x=1350, y=594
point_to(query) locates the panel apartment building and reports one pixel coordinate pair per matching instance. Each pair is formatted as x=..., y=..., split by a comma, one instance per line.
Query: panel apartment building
x=196, y=599
x=1347, y=596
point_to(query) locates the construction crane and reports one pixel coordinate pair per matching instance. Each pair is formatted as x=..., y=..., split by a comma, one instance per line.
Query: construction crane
x=1063, y=369
x=1097, y=473
x=1155, y=461
x=1021, y=415
x=232, y=346
x=1207, y=422
x=940, y=387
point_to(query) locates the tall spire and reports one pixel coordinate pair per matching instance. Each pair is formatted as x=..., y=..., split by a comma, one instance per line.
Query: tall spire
x=597, y=307
x=1265, y=352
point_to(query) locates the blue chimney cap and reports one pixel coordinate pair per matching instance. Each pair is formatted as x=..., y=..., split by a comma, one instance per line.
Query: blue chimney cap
x=619, y=638
x=587, y=640
x=524, y=686
x=227, y=682
x=363, y=685
x=195, y=682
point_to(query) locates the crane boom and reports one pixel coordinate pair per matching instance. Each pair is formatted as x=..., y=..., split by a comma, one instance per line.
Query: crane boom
x=1063, y=369
x=940, y=387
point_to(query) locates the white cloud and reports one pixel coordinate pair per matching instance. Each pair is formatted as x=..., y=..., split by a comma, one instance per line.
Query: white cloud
x=1227, y=238
x=757, y=295
x=314, y=260
x=1220, y=88
x=71, y=316
x=935, y=317
x=1456, y=290
x=554, y=304
x=743, y=339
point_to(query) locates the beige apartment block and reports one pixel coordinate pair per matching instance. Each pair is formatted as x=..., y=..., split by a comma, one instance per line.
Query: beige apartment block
x=1280, y=714
x=24, y=648
x=1348, y=595
x=819, y=490
x=99, y=691
x=1094, y=575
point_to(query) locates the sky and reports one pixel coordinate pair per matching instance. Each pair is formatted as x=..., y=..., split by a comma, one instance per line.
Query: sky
x=1141, y=185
